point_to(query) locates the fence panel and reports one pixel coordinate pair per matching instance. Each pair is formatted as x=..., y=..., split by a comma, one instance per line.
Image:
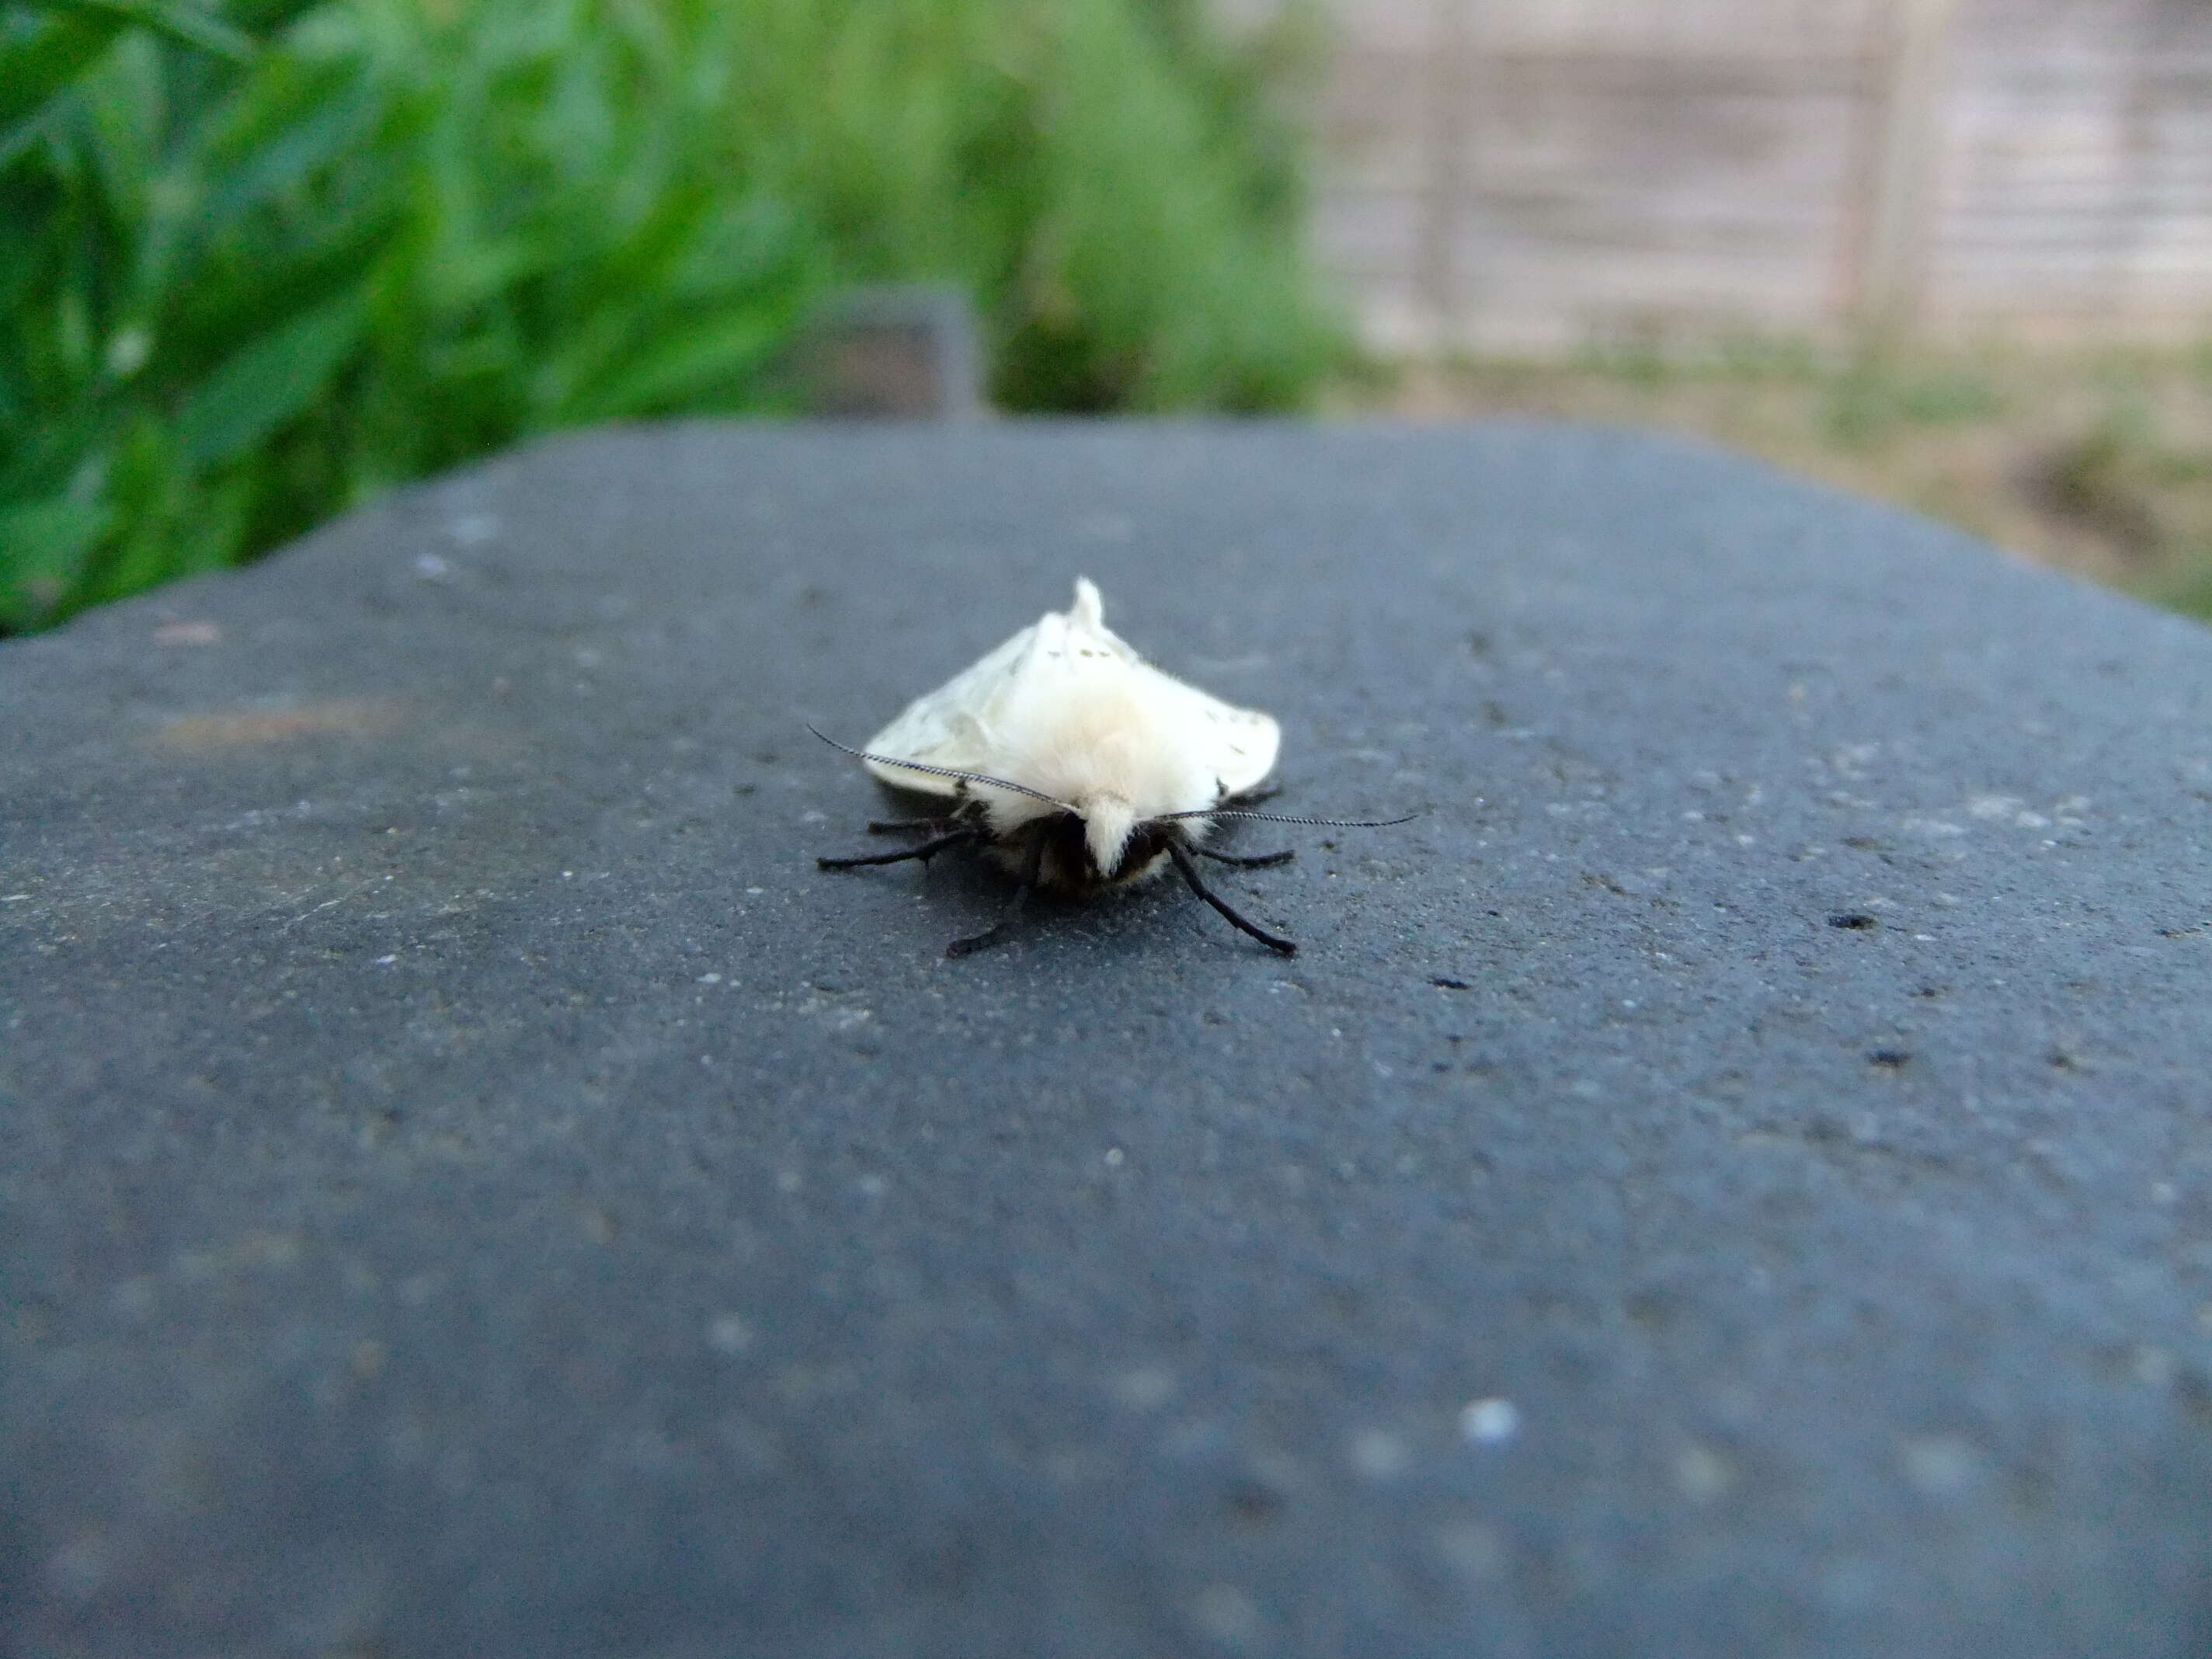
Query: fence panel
x=1530, y=175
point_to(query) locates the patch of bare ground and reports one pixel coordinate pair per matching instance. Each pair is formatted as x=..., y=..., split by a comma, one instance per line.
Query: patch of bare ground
x=2099, y=462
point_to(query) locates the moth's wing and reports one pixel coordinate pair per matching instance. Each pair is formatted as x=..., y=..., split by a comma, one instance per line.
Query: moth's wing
x=950, y=726
x=955, y=725
x=1239, y=745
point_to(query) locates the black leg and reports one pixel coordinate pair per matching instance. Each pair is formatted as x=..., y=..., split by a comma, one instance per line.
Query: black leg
x=1253, y=798
x=928, y=849
x=1256, y=862
x=908, y=826
x=989, y=936
x=1182, y=863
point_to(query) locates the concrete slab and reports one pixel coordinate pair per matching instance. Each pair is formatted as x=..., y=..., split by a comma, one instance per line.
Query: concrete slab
x=1734, y=1177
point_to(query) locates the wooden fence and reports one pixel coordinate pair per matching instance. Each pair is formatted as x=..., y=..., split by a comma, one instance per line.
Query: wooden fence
x=1528, y=175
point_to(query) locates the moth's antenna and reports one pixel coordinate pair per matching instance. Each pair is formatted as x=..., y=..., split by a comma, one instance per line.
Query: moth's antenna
x=1277, y=818
x=948, y=772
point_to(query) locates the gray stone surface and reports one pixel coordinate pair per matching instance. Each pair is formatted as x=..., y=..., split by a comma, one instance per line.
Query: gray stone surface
x=472, y=1185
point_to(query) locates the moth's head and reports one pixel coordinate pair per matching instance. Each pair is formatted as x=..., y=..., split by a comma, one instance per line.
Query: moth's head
x=1107, y=821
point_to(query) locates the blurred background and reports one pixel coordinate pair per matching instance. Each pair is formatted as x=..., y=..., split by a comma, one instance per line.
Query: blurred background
x=264, y=259
x=1957, y=253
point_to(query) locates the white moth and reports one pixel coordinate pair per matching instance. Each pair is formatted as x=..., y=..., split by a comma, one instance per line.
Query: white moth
x=1078, y=765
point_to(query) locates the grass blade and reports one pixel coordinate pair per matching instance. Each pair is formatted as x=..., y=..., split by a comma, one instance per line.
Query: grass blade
x=37, y=68
x=48, y=543
x=190, y=26
x=268, y=383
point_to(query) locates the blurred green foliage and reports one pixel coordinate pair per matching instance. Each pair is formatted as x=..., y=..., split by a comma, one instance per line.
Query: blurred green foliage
x=264, y=260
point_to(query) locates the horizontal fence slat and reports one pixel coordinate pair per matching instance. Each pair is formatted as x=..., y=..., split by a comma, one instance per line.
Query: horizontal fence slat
x=1532, y=168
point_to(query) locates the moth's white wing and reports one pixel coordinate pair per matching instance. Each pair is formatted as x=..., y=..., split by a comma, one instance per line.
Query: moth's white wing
x=1239, y=744
x=955, y=725
x=946, y=728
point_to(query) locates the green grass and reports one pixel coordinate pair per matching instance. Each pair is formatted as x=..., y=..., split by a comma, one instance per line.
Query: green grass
x=263, y=262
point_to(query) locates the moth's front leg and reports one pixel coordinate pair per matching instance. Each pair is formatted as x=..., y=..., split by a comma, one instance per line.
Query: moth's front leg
x=1032, y=867
x=966, y=835
x=1248, y=860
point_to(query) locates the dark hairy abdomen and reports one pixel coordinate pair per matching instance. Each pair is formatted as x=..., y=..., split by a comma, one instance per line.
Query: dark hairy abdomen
x=1067, y=866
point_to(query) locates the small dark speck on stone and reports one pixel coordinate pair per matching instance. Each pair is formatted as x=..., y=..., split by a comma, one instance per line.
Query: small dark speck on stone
x=1251, y=1505
x=1892, y=1059
x=1451, y=985
x=1855, y=920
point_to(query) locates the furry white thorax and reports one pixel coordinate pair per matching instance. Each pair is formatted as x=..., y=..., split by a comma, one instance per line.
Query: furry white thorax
x=1104, y=747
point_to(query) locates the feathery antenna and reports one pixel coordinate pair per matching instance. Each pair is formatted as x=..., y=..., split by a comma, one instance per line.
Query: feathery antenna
x=1278, y=818
x=947, y=772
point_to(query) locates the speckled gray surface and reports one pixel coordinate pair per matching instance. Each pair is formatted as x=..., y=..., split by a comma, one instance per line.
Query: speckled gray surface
x=473, y=1185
